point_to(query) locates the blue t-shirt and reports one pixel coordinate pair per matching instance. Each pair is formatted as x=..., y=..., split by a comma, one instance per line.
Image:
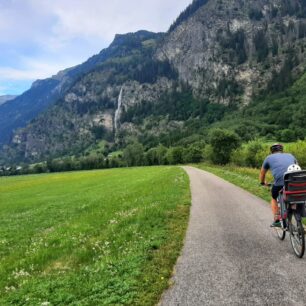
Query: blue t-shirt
x=278, y=163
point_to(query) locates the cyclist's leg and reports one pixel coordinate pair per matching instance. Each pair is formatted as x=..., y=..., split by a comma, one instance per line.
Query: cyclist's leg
x=275, y=210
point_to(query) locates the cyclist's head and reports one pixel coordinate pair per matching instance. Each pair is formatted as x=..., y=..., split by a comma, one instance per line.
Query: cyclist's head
x=277, y=147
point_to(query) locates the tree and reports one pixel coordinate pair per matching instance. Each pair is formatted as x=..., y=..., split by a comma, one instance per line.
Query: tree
x=287, y=135
x=255, y=14
x=253, y=148
x=98, y=131
x=261, y=45
x=275, y=46
x=192, y=154
x=190, y=10
x=247, y=131
x=161, y=152
x=175, y=155
x=133, y=154
x=223, y=142
x=151, y=157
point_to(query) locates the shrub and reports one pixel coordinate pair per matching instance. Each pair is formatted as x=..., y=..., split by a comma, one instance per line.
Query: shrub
x=298, y=149
x=251, y=154
x=287, y=135
x=223, y=142
x=254, y=153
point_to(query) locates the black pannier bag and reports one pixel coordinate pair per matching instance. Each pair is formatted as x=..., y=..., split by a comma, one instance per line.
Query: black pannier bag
x=295, y=189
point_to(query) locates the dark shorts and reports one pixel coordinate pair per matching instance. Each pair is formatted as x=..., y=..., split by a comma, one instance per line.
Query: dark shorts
x=275, y=191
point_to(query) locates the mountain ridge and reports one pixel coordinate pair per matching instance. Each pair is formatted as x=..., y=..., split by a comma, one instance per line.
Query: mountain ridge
x=6, y=98
x=44, y=93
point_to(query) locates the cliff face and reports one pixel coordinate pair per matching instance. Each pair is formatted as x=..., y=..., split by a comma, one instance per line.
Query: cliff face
x=235, y=43
x=224, y=52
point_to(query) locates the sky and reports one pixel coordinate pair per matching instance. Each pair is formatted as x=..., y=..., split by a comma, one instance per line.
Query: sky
x=38, y=38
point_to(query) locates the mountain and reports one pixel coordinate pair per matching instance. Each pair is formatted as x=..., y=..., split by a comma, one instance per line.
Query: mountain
x=6, y=98
x=218, y=59
x=44, y=93
x=228, y=49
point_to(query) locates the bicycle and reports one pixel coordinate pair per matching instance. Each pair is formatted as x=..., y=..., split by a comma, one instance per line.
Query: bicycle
x=291, y=203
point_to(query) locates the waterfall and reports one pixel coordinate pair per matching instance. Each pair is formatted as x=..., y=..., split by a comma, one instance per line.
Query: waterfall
x=118, y=111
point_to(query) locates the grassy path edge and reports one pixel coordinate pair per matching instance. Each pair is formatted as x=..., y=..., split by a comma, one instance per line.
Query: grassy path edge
x=246, y=178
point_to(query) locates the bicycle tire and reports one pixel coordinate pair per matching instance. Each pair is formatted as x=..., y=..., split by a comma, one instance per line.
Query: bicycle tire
x=280, y=233
x=297, y=235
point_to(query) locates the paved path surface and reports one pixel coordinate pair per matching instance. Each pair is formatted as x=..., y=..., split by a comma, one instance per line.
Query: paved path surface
x=231, y=256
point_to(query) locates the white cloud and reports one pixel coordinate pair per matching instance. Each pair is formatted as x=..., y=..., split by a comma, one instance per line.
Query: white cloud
x=65, y=20
x=8, y=73
x=13, y=74
x=32, y=69
x=43, y=36
x=103, y=19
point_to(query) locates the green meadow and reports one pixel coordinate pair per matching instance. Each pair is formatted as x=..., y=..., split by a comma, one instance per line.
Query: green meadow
x=106, y=237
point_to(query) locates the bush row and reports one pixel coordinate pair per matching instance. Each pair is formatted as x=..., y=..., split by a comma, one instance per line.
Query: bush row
x=133, y=155
x=254, y=152
x=222, y=147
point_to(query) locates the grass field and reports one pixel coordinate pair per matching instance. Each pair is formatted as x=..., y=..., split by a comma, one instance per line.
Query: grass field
x=91, y=238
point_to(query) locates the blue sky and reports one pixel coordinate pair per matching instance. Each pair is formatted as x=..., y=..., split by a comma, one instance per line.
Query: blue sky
x=38, y=38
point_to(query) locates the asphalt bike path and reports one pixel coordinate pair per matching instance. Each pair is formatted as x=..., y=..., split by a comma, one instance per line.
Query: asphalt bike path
x=231, y=255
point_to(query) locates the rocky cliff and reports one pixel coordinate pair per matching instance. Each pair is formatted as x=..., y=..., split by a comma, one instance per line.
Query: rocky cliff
x=228, y=49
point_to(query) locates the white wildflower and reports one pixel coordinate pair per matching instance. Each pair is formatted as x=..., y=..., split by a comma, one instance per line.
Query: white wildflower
x=21, y=273
x=11, y=288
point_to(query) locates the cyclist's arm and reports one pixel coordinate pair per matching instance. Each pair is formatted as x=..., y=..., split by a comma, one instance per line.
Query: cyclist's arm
x=264, y=169
x=262, y=176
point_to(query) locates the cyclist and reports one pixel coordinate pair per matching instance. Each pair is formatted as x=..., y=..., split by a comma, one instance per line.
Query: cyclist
x=278, y=163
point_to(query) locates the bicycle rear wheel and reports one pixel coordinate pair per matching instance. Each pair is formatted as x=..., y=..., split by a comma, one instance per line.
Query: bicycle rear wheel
x=297, y=235
x=280, y=232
